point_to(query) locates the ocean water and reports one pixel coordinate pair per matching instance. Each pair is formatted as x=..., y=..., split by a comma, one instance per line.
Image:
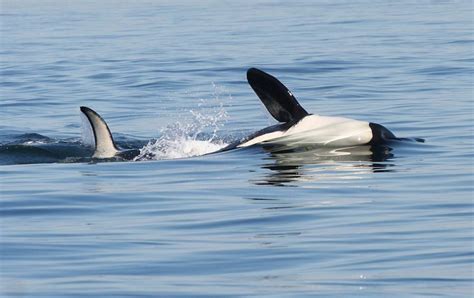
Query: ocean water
x=169, y=78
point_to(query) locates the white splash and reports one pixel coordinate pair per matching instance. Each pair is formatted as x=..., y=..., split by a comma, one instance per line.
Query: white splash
x=193, y=135
x=36, y=142
x=181, y=147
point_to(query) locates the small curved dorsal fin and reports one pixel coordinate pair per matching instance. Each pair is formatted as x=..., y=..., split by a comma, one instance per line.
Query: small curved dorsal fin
x=103, y=142
x=278, y=100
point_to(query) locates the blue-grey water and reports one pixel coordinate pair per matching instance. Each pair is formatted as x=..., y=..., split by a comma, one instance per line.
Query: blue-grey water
x=169, y=77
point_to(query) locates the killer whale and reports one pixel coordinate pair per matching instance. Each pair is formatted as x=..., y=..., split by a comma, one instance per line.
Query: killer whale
x=296, y=126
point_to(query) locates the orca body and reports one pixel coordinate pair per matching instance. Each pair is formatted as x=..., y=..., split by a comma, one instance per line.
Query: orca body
x=299, y=128
x=296, y=126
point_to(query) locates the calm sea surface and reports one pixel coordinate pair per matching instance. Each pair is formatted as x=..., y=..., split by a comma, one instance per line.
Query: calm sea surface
x=169, y=77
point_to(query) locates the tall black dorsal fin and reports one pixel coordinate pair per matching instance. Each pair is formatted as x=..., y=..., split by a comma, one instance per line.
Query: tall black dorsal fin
x=278, y=100
x=103, y=142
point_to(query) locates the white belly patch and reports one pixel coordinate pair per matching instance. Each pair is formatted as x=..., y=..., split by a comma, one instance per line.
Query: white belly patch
x=319, y=130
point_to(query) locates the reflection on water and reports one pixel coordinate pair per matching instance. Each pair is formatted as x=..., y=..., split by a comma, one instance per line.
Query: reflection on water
x=289, y=165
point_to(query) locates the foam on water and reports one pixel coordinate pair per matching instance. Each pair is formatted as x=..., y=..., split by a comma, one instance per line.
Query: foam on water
x=184, y=146
x=195, y=135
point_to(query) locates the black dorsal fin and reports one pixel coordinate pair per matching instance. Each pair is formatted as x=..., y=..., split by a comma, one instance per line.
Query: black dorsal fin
x=278, y=100
x=103, y=142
